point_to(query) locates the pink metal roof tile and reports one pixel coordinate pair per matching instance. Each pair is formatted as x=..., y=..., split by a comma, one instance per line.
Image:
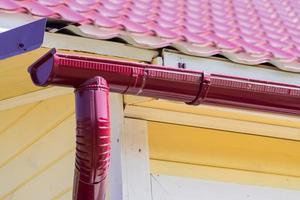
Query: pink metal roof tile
x=87, y=2
x=9, y=5
x=132, y=26
x=51, y=2
x=76, y=6
x=100, y=20
x=105, y=11
x=99, y=33
x=245, y=31
x=37, y=9
x=68, y=14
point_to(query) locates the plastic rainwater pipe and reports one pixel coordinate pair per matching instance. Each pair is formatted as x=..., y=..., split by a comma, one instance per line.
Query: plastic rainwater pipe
x=92, y=140
x=191, y=87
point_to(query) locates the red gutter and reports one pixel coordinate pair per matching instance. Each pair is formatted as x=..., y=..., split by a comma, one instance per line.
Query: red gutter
x=191, y=87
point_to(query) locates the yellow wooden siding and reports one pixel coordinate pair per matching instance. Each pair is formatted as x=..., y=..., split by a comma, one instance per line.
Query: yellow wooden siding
x=37, y=150
x=14, y=79
x=222, y=155
x=39, y=121
x=11, y=116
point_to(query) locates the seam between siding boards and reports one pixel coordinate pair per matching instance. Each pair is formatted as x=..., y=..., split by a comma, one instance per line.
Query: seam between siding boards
x=34, y=141
x=71, y=151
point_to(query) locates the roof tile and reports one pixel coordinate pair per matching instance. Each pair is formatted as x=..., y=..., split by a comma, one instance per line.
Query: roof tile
x=51, y=2
x=76, y=6
x=68, y=14
x=37, y=8
x=9, y=5
x=100, y=20
x=246, y=31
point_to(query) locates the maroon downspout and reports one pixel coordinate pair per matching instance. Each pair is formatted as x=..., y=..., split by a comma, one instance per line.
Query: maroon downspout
x=92, y=140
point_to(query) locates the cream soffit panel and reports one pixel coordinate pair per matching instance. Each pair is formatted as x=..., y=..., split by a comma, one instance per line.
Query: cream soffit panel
x=177, y=188
x=206, y=172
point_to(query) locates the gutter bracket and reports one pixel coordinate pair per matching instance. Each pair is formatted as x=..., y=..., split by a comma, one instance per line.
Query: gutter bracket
x=203, y=90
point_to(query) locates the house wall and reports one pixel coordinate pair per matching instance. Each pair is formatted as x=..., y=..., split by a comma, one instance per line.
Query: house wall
x=37, y=153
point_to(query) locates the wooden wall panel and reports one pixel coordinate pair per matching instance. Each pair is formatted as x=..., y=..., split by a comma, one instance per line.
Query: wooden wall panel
x=37, y=149
x=223, y=149
x=11, y=116
x=48, y=184
x=39, y=156
x=178, y=188
x=15, y=79
x=45, y=116
x=205, y=172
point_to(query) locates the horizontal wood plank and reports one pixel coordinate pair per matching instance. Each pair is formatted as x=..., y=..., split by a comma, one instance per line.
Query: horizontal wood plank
x=57, y=178
x=211, y=122
x=178, y=188
x=223, y=174
x=15, y=79
x=44, y=93
x=202, y=146
x=216, y=111
x=38, y=156
x=11, y=116
x=39, y=121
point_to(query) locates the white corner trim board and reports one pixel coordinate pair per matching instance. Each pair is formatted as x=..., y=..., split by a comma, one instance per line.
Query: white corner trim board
x=115, y=175
x=136, y=160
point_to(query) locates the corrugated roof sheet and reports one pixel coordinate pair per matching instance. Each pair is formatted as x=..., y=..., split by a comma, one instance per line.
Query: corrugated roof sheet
x=244, y=31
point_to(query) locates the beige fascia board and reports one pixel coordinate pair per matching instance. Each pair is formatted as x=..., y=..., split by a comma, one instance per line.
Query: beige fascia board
x=101, y=47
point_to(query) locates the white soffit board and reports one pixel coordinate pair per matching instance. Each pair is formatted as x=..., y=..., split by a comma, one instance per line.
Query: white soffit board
x=178, y=188
x=218, y=66
x=2, y=29
x=9, y=21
